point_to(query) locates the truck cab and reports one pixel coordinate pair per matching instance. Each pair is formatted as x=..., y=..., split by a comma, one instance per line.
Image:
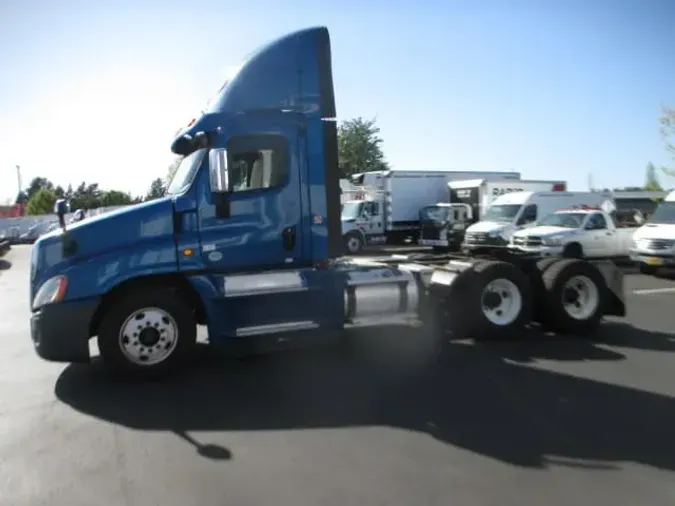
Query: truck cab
x=255, y=198
x=363, y=219
x=442, y=225
x=653, y=246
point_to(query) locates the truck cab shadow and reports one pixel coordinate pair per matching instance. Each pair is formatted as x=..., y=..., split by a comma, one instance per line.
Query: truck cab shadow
x=474, y=397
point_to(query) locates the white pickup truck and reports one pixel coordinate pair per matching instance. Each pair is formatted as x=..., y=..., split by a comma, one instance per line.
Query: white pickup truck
x=578, y=233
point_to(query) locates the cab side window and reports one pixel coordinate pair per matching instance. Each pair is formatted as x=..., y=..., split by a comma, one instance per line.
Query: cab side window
x=372, y=208
x=529, y=215
x=257, y=162
x=596, y=222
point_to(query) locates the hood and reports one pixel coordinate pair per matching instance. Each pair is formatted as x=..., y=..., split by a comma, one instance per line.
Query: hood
x=489, y=226
x=544, y=231
x=118, y=229
x=655, y=231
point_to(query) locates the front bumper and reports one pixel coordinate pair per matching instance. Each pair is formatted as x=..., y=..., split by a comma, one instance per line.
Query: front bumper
x=60, y=332
x=655, y=259
x=544, y=251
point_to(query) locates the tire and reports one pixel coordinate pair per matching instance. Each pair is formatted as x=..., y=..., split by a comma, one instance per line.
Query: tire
x=574, y=297
x=648, y=270
x=168, y=347
x=494, y=300
x=353, y=243
x=573, y=251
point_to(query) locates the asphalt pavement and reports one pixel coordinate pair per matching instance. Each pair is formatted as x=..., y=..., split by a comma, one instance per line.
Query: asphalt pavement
x=543, y=420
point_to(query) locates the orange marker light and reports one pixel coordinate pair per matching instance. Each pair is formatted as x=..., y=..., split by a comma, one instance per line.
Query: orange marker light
x=188, y=252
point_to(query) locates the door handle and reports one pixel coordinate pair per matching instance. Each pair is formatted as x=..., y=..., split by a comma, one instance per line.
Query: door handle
x=608, y=233
x=288, y=237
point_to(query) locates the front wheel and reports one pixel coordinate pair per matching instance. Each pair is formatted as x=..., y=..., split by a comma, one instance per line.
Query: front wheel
x=148, y=333
x=353, y=243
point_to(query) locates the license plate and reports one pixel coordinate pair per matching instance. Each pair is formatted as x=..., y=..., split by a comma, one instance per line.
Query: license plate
x=653, y=261
x=432, y=242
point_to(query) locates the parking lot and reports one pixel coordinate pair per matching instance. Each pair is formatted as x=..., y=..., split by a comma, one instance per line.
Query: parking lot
x=543, y=420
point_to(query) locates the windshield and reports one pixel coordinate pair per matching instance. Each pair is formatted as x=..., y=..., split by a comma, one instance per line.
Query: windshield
x=504, y=213
x=435, y=213
x=351, y=210
x=185, y=172
x=567, y=220
x=664, y=214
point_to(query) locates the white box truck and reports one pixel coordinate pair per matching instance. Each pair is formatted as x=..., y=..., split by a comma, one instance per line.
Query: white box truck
x=385, y=206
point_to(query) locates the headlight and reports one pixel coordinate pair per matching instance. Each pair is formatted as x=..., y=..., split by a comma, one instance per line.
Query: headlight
x=556, y=240
x=53, y=290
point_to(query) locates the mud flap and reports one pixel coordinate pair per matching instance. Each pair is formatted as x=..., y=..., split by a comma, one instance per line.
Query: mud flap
x=616, y=301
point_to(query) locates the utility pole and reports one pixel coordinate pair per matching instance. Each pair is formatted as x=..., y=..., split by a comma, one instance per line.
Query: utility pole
x=18, y=178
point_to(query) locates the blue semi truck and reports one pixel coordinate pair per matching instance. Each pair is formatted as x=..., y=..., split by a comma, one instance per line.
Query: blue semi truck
x=247, y=241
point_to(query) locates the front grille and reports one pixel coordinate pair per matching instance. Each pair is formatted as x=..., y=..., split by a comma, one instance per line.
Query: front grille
x=431, y=233
x=477, y=237
x=656, y=244
x=527, y=241
x=483, y=239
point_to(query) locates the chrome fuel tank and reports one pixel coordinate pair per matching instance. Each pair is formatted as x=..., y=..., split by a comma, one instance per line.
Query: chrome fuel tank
x=377, y=294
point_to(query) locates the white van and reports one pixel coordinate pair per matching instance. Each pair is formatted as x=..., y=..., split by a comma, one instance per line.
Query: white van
x=654, y=242
x=514, y=211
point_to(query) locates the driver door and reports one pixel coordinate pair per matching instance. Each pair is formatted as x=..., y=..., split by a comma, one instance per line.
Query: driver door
x=600, y=240
x=375, y=223
x=264, y=228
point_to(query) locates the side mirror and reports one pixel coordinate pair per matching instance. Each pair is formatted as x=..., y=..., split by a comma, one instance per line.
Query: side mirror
x=61, y=208
x=220, y=182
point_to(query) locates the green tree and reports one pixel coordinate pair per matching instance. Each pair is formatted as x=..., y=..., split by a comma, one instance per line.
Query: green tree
x=42, y=202
x=156, y=189
x=115, y=198
x=651, y=179
x=667, y=121
x=360, y=147
x=21, y=197
x=36, y=184
x=86, y=196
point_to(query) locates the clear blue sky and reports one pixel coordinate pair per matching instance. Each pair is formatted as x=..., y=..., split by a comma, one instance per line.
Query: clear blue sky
x=555, y=89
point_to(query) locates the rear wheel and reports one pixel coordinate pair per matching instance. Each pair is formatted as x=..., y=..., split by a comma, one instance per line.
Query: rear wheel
x=149, y=333
x=493, y=301
x=574, y=297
